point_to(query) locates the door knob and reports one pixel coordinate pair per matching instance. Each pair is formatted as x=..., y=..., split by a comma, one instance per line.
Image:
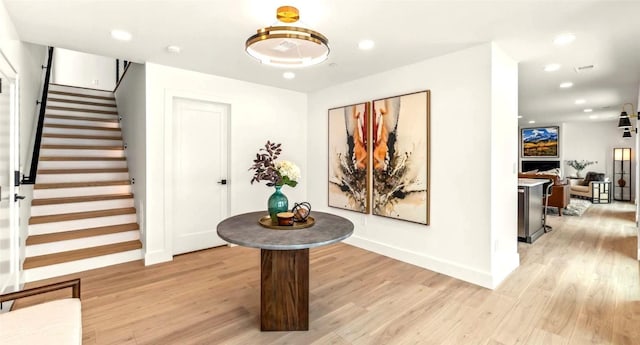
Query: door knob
x=222, y=181
x=17, y=197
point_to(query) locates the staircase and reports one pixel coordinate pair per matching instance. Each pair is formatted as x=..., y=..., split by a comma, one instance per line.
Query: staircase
x=82, y=213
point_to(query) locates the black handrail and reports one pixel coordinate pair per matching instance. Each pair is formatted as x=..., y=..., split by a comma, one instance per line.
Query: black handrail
x=31, y=179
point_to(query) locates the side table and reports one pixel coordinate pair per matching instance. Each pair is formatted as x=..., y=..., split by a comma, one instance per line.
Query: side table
x=284, y=263
x=601, y=192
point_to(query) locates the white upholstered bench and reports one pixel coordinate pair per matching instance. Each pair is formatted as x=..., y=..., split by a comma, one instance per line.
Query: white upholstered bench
x=51, y=323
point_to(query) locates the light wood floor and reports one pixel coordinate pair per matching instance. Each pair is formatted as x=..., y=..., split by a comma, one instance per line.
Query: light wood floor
x=579, y=284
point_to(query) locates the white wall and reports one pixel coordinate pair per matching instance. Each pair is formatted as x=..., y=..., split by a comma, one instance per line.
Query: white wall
x=83, y=70
x=593, y=141
x=504, y=153
x=459, y=240
x=131, y=101
x=258, y=113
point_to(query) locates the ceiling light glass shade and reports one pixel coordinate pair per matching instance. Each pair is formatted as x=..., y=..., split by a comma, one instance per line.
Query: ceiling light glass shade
x=627, y=133
x=287, y=45
x=623, y=121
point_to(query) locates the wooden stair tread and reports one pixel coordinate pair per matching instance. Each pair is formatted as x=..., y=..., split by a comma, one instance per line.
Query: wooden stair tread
x=82, y=171
x=79, y=254
x=80, y=136
x=80, y=147
x=53, y=99
x=63, y=217
x=94, y=128
x=82, y=233
x=73, y=94
x=82, y=118
x=80, y=184
x=60, y=158
x=75, y=199
x=95, y=111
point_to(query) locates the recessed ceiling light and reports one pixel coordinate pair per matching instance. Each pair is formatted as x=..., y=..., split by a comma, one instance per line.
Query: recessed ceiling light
x=580, y=101
x=288, y=75
x=564, y=39
x=532, y=121
x=593, y=116
x=551, y=67
x=366, y=44
x=121, y=35
x=519, y=116
x=588, y=110
x=174, y=49
x=566, y=85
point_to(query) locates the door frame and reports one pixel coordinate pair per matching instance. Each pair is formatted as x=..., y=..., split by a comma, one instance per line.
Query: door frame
x=170, y=96
x=13, y=89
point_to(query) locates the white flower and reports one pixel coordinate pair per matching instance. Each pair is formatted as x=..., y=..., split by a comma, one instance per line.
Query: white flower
x=288, y=169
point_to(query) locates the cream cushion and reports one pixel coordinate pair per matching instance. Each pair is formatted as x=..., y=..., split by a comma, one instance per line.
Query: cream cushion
x=51, y=323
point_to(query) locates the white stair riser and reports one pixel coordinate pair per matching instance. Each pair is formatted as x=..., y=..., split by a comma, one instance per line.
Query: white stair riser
x=86, y=142
x=63, y=88
x=74, y=131
x=81, y=243
x=81, y=114
x=50, y=121
x=57, y=270
x=58, y=178
x=79, y=191
x=81, y=98
x=50, y=228
x=46, y=210
x=81, y=165
x=81, y=153
x=79, y=106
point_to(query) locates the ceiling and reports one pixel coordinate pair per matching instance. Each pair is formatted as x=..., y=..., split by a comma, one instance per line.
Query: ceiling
x=212, y=35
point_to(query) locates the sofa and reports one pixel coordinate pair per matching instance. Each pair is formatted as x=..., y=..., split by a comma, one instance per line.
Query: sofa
x=584, y=187
x=52, y=323
x=559, y=196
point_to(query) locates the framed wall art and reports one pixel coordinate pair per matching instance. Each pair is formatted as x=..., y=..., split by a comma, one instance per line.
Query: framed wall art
x=540, y=142
x=349, y=157
x=400, y=157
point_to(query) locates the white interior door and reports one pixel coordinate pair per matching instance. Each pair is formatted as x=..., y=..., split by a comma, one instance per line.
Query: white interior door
x=199, y=164
x=9, y=227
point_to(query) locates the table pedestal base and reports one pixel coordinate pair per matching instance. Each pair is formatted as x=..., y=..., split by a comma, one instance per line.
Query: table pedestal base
x=284, y=285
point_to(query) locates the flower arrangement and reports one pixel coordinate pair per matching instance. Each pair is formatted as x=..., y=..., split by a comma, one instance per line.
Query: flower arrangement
x=580, y=165
x=276, y=173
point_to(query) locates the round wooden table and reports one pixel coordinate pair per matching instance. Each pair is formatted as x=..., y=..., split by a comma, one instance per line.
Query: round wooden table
x=284, y=263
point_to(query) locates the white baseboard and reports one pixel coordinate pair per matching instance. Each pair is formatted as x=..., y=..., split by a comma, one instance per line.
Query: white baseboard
x=507, y=263
x=451, y=269
x=152, y=258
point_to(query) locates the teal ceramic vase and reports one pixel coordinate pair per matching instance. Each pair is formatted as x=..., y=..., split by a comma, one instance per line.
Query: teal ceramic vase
x=278, y=202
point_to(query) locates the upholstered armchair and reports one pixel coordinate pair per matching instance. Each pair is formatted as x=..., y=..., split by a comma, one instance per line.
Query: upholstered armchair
x=584, y=187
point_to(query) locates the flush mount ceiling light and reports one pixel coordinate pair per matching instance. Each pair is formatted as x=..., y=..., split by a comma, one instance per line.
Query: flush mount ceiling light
x=566, y=85
x=588, y=110
x=580, y=101
x=552, y=67
x=287, y=45
x=121, y=35
x=532, y=121
x=288, y=75
x=564, y=39
x=366, y=44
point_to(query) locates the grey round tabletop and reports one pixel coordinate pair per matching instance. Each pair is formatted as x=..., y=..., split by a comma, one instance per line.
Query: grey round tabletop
x=244, y=230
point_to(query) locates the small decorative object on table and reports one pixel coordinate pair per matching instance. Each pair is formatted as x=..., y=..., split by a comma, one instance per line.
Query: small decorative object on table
x=277, y=174
x=285, y=218
x=580, y=165
x=301, y=211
